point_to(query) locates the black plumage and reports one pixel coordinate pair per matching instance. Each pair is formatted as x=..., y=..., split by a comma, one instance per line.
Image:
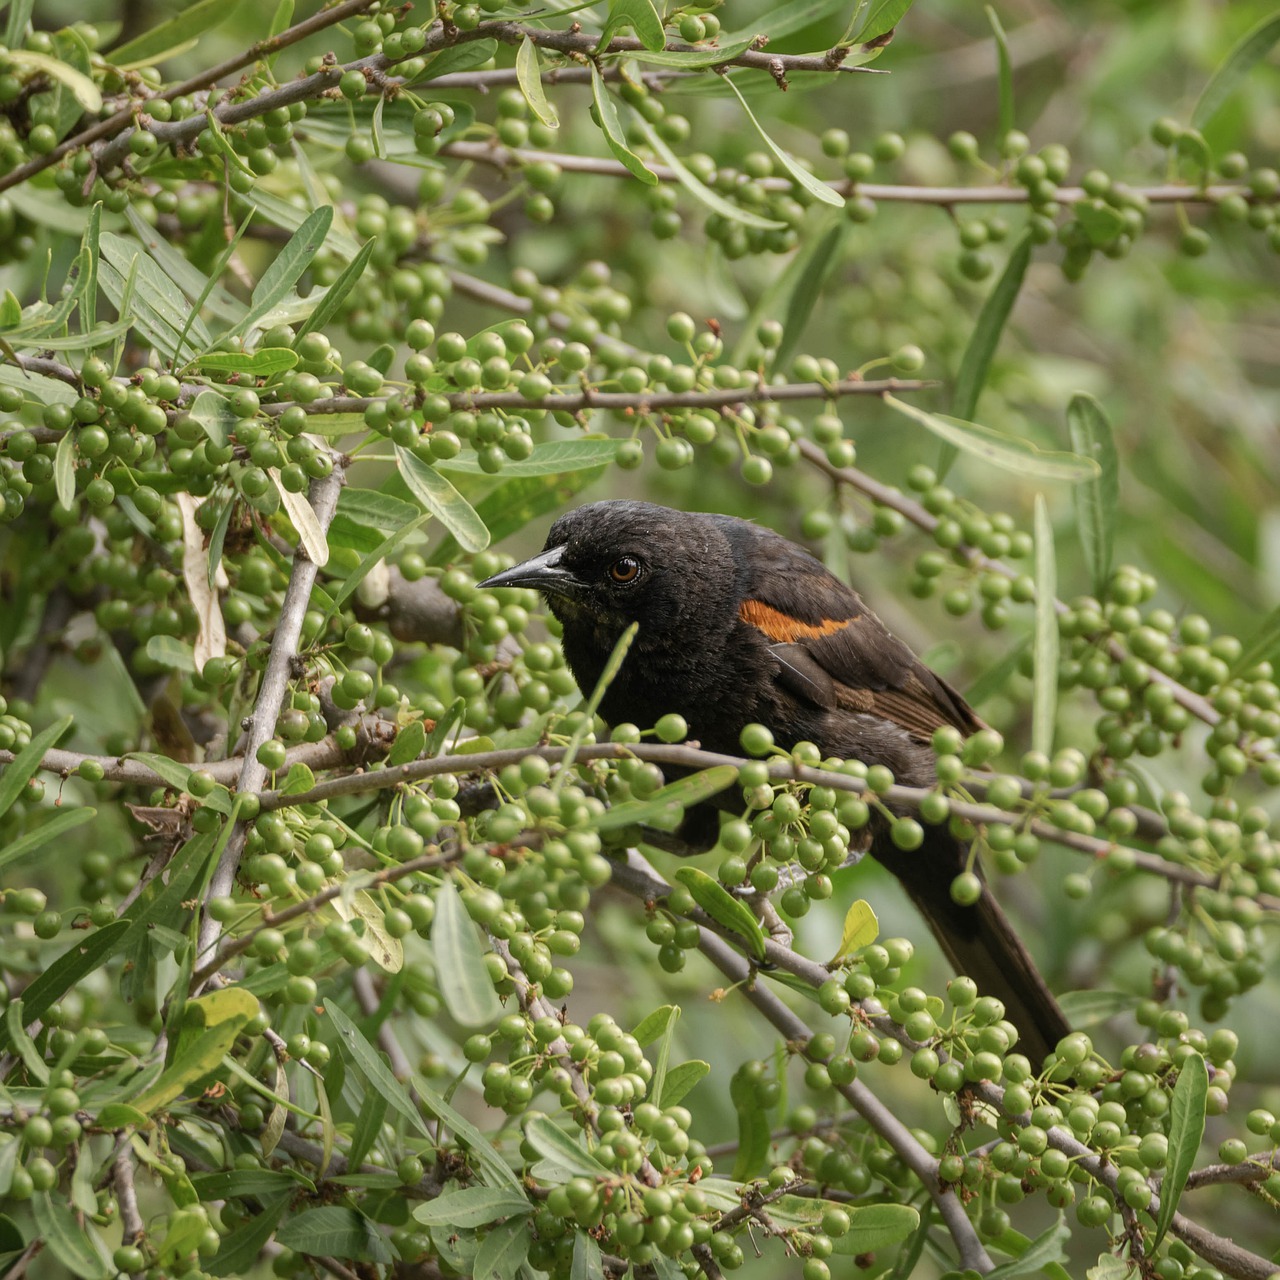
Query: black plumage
x=740, y=626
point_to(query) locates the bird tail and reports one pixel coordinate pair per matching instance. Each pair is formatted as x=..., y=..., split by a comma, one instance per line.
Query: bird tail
x=979, y=941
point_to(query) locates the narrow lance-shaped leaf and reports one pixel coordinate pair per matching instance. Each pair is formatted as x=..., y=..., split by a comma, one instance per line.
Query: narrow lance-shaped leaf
x=700, y=192
x=280, y=277
x=443, y=501
x=1005, y=71
x=1010, y=453
x=975, y=364
x=640, y=16
x=1249, y=50
x=468, y=993
x=723, y=907
x=611, y=127
x=1097, y=500
x=85, y=91
x=753, y=1125
x=529, y=77
x=179, y=31
x=17, y=774
x=1187, y=1109
x=337, y=292
x=817, y=189
x=1044, y=706
x=64, y=470
x=882, y=17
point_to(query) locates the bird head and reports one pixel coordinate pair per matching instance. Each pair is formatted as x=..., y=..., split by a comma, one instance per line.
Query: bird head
x=609, y=564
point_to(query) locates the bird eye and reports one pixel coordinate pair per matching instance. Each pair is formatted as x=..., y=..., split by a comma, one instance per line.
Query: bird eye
x=625, y=570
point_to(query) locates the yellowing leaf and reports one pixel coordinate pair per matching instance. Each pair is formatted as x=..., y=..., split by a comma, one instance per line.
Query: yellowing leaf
x=861, y=929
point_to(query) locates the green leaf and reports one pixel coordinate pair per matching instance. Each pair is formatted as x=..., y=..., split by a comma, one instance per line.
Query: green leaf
x=462, y=57
x=611, y=127
x=65, y=820
x=514, y=503
x=157, y=309
x=468, y=994
x=1009, y=453
x=1100, y=222
x=27, y=762
x=1109, y=1267
x=681, y=1079
x=473, y=1207
x=801, y=176
x=787, y=19
x=640, y=16
x=552, y=459
x=666, y=807
x=211, y=1024
x=167, y=38
x=80, y=1250
x=655, y=1024
x=169, y=651
x=64, y=470
x=981, y=347
x=696, y=188
x=303, y=517
x=379, y=553
x=298, y=780
x=795, y=291
x=1005, y=68
x=1044, y=702
x=442, y=500
x=503, y=1251
x=376, y=510
x=723, y=907
x=529, y=78
x=261, y=1184
x=882, y=17
x=240, y=1249
x=368, y=1127
x=1187, y=1109
x=1043, y=1252
x=1249, y=50
x=36, y=387
x=694, y=59
x=336, y=1231
x=263, y=363
x=409, y=744
x=288, y=266
x=876, y=1226
x=86, y=93
x=336, y=294
x=1097, y=500
x=72, y=966
x=861, y=929
x=371, y=1067
x=1089, y=1007
x=212, y=412
x=588, y=1263
x=15, y=31
x=189, y=278
x=550, y=1141
x=753, y=1126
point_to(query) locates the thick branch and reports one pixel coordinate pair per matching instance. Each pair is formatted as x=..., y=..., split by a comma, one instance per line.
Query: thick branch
x=272, y=691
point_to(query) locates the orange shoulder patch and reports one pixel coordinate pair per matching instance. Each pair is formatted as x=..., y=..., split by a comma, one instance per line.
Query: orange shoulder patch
x=782, y=627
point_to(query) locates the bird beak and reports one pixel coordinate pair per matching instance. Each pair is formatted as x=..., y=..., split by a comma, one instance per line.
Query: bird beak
x=543, y=572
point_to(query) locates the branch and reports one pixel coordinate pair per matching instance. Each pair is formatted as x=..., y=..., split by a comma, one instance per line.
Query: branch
x=231, y=947
x=271, y=693
x=124, y=117
x=637, y=879
x=502, y=157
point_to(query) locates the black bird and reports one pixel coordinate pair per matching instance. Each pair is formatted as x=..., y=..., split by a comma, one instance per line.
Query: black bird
x=740, y=626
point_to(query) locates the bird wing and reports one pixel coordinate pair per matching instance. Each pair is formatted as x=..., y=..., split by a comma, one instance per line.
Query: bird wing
x=836, y=654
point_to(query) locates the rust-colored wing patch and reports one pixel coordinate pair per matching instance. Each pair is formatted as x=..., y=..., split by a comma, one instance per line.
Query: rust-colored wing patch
x=781, y=627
